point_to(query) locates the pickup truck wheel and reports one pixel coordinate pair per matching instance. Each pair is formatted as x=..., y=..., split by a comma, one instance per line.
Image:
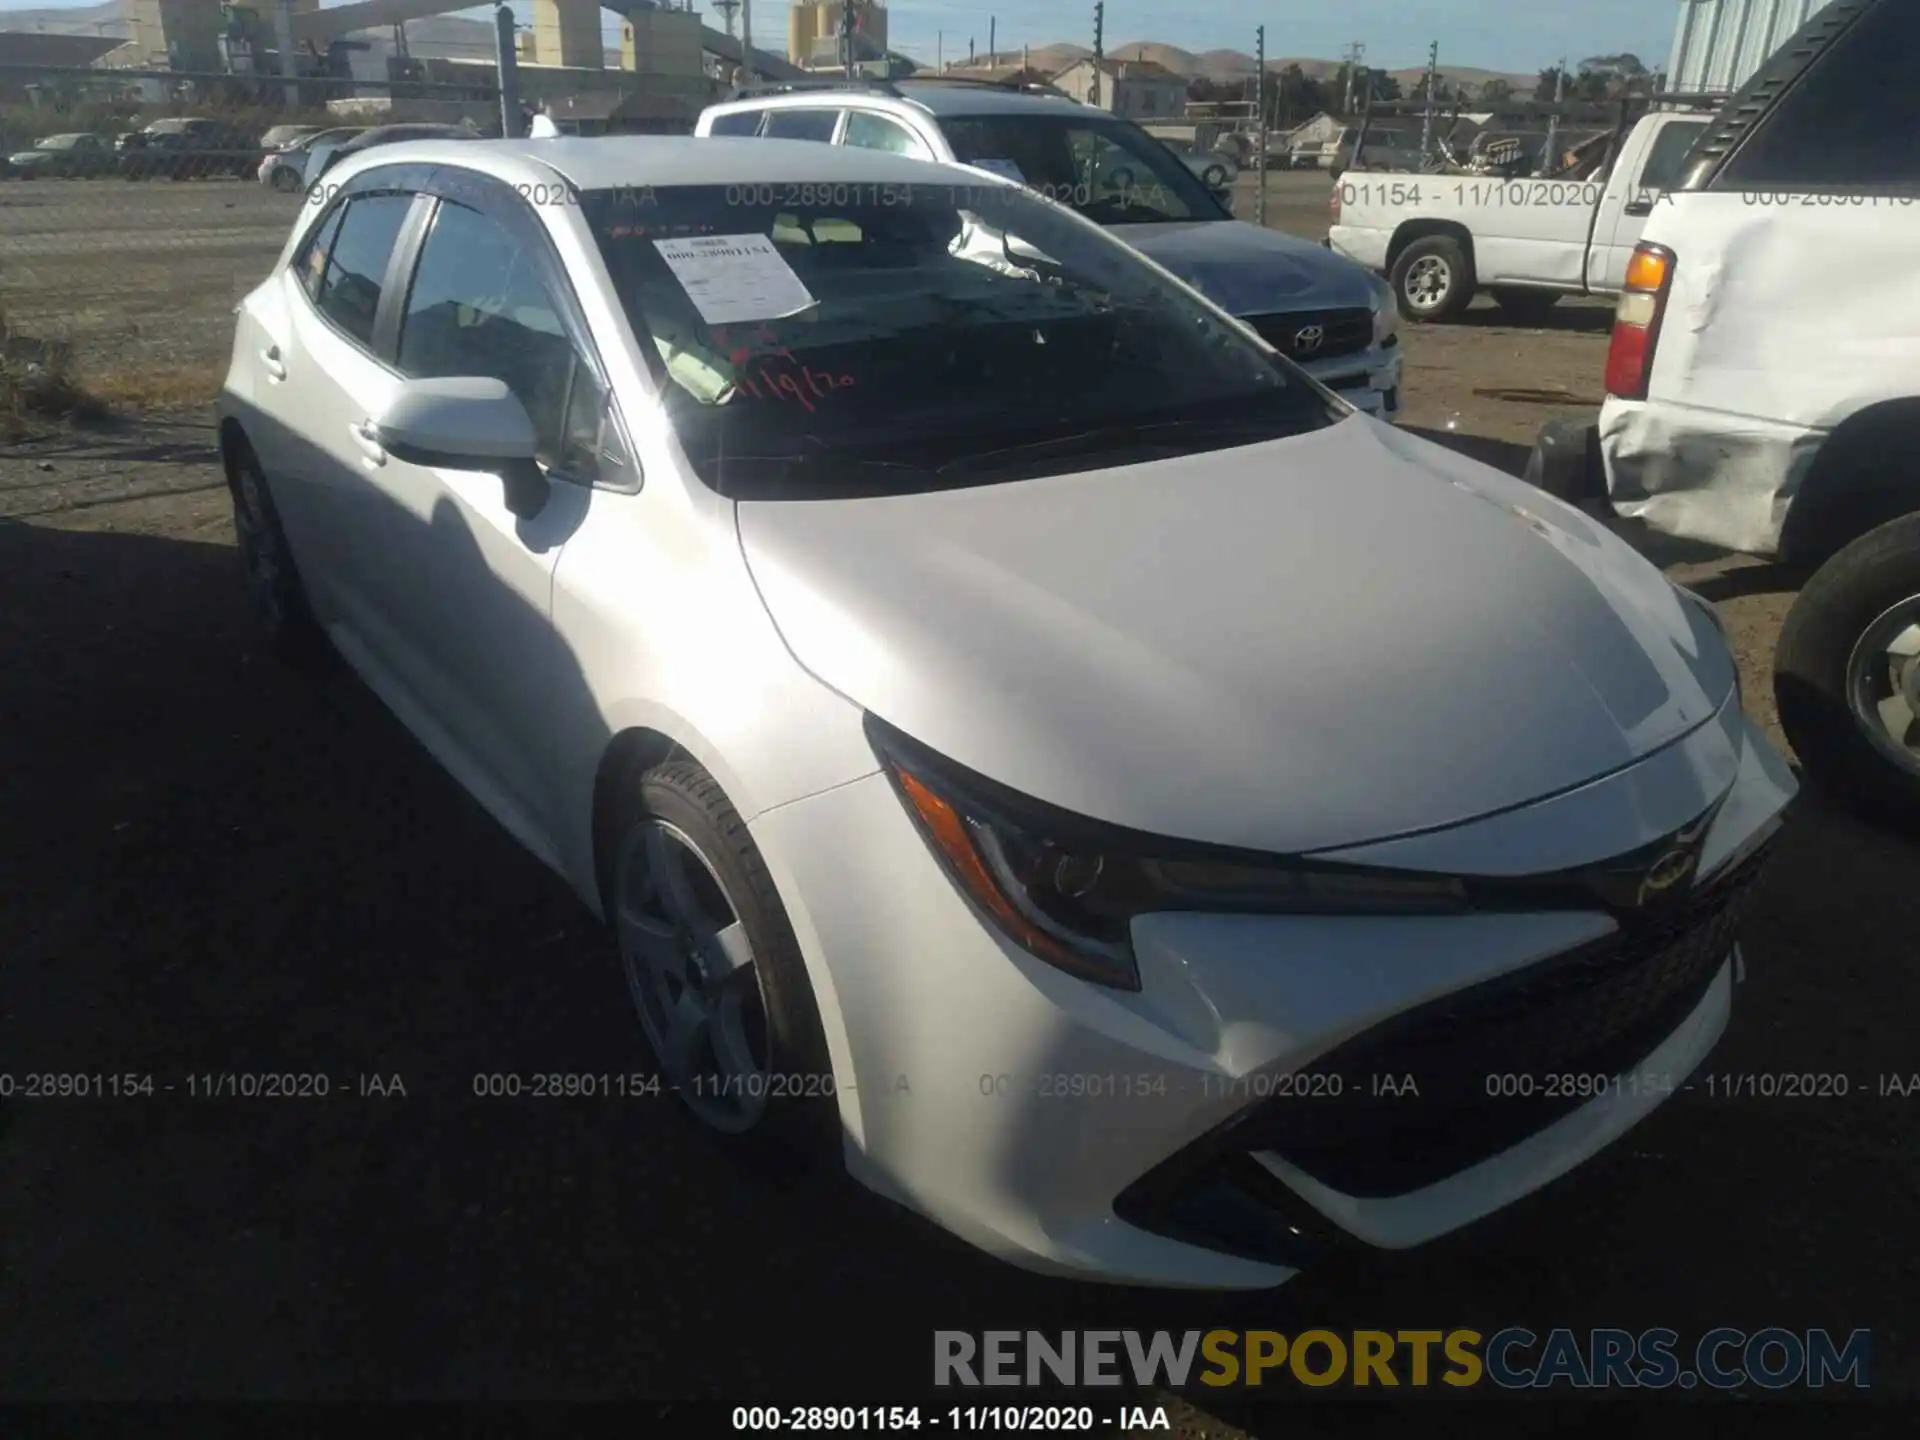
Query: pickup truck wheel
x=1846, y=676
x=1526, y=307
x=1433, y=279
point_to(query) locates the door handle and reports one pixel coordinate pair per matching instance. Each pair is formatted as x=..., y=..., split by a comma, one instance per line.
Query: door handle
x=367, y=435
x=270, y=362
x=1640, y=208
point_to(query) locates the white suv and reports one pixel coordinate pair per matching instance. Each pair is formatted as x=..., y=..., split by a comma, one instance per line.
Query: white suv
x=1329, y=316
x=1764, y=380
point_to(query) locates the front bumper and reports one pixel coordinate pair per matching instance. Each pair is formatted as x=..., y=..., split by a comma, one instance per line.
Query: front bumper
x=1188, y=1135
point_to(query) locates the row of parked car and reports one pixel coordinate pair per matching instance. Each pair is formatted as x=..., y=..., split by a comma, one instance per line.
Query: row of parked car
x=180, y=148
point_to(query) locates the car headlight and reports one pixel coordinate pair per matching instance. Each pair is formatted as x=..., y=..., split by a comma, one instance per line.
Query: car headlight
x=1386, y=311
x=1067, y=889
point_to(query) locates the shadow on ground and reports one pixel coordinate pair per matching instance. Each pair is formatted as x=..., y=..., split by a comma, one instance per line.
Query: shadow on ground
x=211, y=866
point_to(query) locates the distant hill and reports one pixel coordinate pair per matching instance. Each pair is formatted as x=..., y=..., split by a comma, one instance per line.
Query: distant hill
x=455, y=37
x=1230, y=65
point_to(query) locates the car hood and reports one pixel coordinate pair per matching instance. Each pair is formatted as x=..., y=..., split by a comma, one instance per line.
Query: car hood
x=1305, y=644
x=1247, y=270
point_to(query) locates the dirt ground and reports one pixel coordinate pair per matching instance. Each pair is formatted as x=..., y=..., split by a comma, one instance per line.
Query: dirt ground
x=212, y=866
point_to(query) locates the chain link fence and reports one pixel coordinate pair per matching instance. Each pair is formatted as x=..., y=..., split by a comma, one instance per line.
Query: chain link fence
x=137, y=207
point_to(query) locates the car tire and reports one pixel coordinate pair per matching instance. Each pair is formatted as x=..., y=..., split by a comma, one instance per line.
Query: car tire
x=273, y=580
x=1214, y=177
x=1433, y=279
x=1833, y=662
x=1526, y=307
x=285, y=181
x=773, y=1104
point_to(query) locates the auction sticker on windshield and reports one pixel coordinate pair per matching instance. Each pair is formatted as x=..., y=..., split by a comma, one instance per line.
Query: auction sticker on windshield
x=735, y=278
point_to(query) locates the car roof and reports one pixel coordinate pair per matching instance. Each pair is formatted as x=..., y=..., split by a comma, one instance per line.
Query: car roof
x=942, y=101
x=609, y=162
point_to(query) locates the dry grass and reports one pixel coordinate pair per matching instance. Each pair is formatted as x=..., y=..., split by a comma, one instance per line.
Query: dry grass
x=37, y=382
x=148, y=389
x=43, y=380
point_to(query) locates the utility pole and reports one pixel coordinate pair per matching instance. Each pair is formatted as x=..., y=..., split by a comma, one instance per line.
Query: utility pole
x=969, y=50
x=993, y=40
x=1356, y=53
x=728, y=9
x=504, y=60
x=939, y=51
x=1260, y=125
x=846, y=37
x=1426, y=110
x=1099, y=46
x=283, y=40
x=748, y=73
x=1550, y=157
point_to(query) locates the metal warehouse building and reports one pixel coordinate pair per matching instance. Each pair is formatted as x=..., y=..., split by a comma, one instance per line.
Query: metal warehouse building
x=1718, y=44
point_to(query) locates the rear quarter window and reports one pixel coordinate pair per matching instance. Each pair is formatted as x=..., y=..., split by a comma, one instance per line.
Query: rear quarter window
x=1852, y=121
x=738, y=122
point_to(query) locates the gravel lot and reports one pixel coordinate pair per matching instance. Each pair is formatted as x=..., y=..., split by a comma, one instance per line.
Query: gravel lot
x=211, y=866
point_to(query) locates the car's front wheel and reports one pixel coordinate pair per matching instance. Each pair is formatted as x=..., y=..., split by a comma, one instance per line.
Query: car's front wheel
x=714, y=970
x=1846, y=675
x=285, y=180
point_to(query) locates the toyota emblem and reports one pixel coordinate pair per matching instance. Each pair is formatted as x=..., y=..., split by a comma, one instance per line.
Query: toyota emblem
x=1309, y=338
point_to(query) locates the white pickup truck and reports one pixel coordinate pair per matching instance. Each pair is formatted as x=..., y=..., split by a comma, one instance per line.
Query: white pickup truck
x=1440, y=239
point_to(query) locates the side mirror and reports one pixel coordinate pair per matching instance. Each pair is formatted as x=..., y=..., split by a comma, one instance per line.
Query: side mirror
x=468, y=422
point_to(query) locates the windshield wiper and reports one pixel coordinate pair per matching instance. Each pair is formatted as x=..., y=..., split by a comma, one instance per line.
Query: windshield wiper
x=1103, y=436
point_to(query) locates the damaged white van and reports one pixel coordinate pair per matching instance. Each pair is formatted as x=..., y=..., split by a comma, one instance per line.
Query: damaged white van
x=1764, y=380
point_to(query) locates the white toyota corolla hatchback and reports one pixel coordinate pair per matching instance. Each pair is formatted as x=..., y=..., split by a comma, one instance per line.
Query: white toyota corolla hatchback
x=1027, y=738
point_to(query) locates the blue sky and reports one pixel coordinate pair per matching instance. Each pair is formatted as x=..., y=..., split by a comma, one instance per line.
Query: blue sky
x=1491, y=34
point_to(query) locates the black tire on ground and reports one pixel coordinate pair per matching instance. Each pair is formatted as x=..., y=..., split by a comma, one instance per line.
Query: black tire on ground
x=273, y=581
x=1836, y=608
x=1215, y=176
x=1439, y=261
x=1526, y=307
x=800, y=1126
x=285, y=180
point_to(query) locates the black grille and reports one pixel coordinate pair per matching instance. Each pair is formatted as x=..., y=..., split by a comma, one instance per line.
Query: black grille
x=1344, y=332
x=1594, y=1012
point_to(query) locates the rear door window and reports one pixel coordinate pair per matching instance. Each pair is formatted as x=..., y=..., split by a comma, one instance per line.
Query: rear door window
x=799, y=124
x=356, y=265
x=1851, y=122
x=877, y=132
x=738, y=122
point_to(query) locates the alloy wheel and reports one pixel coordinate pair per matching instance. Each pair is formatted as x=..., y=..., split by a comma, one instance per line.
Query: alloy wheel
x=1883, y=683
x=690, y=969
x=260, y=546
x=1429, y=280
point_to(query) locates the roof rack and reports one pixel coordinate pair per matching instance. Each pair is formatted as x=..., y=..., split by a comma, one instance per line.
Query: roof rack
x=892, y=87
x=1028, y=87
x=790, y=87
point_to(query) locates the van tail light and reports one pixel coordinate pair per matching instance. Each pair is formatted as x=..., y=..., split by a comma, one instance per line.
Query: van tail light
x=1636, y=321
